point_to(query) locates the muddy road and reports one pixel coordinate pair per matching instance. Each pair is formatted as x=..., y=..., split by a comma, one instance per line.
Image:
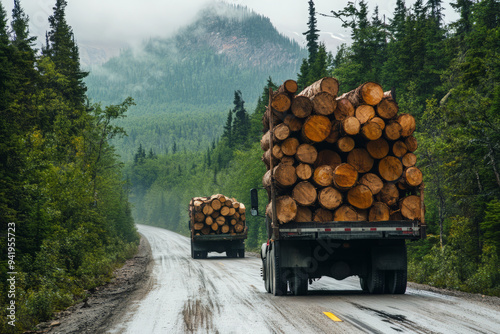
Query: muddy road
x=223, y=295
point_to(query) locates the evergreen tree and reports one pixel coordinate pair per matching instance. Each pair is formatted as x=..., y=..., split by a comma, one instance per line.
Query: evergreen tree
x=228, y=128
x=312, y=33
x=241, y=123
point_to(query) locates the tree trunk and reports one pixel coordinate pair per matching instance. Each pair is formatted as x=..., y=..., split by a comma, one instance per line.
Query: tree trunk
x=345, y=176
x=304, y=171
x=304, y=193
x=350, y=126
x=393, y=131
x=323, y=176
x=387, y=108
x=289, y=86
x=286, y=209
x=409, y=160
x=284, y=175
x=302, y=106
x=306, y=153
x=324, y=103
x=207, y=210
x=413, y=176
x=389, y=194
x=399, y=149
x=379, y=212
x=364, y=113
x=316, y=128
x=360, y=197
x=329, y=198
x=407, y=123
x=345, y=213
x=373, y=182
x=322, y=215
x=410, y=207
x=346, y=144
x=344, y=109
x=360, y=159
x=378, y=149
x=411, y=143
x=368, y=93
x=390, y=168
x=281, y=132
x=281, y=102
x=289, y=146
x=371, y=131
x=327, y=84
x=224, y=211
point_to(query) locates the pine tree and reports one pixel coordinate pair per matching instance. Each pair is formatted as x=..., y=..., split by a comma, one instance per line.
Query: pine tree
x=228, y=128
x=241, y=123
x=312, y=33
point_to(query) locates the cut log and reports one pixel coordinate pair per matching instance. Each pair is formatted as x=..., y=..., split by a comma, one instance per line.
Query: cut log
x=379, y=212
x=323, y=175
x=378, y=149
x=368, y=93
x=410, y=207
x=289, y=86
x=327, y=84
x=221, y=220
x=345, y=213
x=350, y=126
x=390, y=168
x=360, y=197
x=224, y=229
x=399, y=149
x=373, y=182
x=289, y=146
x=324, y=103
x=293, y=123
x=198, y=226
x=286, y=209
x=281, y=102
x=364, y=113
x=240, y=227
x=413, y=176
x=302, y=106
x=344, y=109
x=316, y=128
x=322, y=215
x=206, y=230
x=224, y=211
x=199, y=217
x=371, y=131
x=281, y=132
x=411, y=143
x=389, y=194
x=306, y=153
x=232, y=211
x=345, y=176
x=304, y=193
x=396, y=215
x=242, y=209
x=214, y=226
x=409, y=160
x=334, y=133
x=393, y=130
x=329, y=198
x=275, y=120
x=287, y=160
x=215, y=214
x=233, y=222
x=275, y=153
x=346, y=144
x=284, y=175
x=387, y=108
x=360, y=159
x=328, y=157
x=362, y=214
x=407, y=123
x=304, y=214
x=304, y=171
x=209, y=220
x=379, y=121
x=207, y=210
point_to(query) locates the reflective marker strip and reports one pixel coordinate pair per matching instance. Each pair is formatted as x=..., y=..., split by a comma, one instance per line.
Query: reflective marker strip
x=332, y=316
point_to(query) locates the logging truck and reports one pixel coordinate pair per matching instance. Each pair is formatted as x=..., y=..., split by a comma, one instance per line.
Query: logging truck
x=344, y=194
x=217, y=224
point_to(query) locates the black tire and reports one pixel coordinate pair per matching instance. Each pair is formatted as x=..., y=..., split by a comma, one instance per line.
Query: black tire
x=192, y=250
x=363, y=284
x=395, y=282
x=376, y=281
x=267, y=281
x=231, y=253
x=203, y=254
x=241, y=253
x=299, y=283
x=279, y=285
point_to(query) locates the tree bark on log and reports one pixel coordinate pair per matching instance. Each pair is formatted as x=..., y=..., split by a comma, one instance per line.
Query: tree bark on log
x=329, y=198
x=304, y=193
x=368, y=93
x=334, y=133
x=316, y=128
x=327, y=84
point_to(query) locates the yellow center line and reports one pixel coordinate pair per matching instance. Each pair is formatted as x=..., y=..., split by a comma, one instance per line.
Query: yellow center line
x=332, y=316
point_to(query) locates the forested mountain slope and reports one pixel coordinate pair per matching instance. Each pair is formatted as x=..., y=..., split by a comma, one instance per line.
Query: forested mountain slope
x=184, y=85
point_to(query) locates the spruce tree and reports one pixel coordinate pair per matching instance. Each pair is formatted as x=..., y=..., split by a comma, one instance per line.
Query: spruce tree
x=312, y=33
x=241, y=123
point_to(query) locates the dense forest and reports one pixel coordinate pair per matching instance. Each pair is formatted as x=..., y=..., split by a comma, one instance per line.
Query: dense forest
x=65, y=217
x=446, y=76
x=191, y=76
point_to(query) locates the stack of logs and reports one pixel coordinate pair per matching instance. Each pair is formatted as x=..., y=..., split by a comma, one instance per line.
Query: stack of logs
x=216, y=214
x=340, y=158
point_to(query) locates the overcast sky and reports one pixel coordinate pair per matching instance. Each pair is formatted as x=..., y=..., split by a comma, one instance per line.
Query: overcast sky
x=121, y=23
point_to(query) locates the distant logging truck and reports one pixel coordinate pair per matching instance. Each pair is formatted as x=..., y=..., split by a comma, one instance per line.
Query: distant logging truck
x=344, y=194
x=217, y=224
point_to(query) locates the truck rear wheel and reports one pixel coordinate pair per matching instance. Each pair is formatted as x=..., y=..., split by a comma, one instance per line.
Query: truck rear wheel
x=395, y=281
x=267, y=275
x=298, y=283
x=376, y=281
x=241, y=253
x=232, y=253
x=279, y=285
